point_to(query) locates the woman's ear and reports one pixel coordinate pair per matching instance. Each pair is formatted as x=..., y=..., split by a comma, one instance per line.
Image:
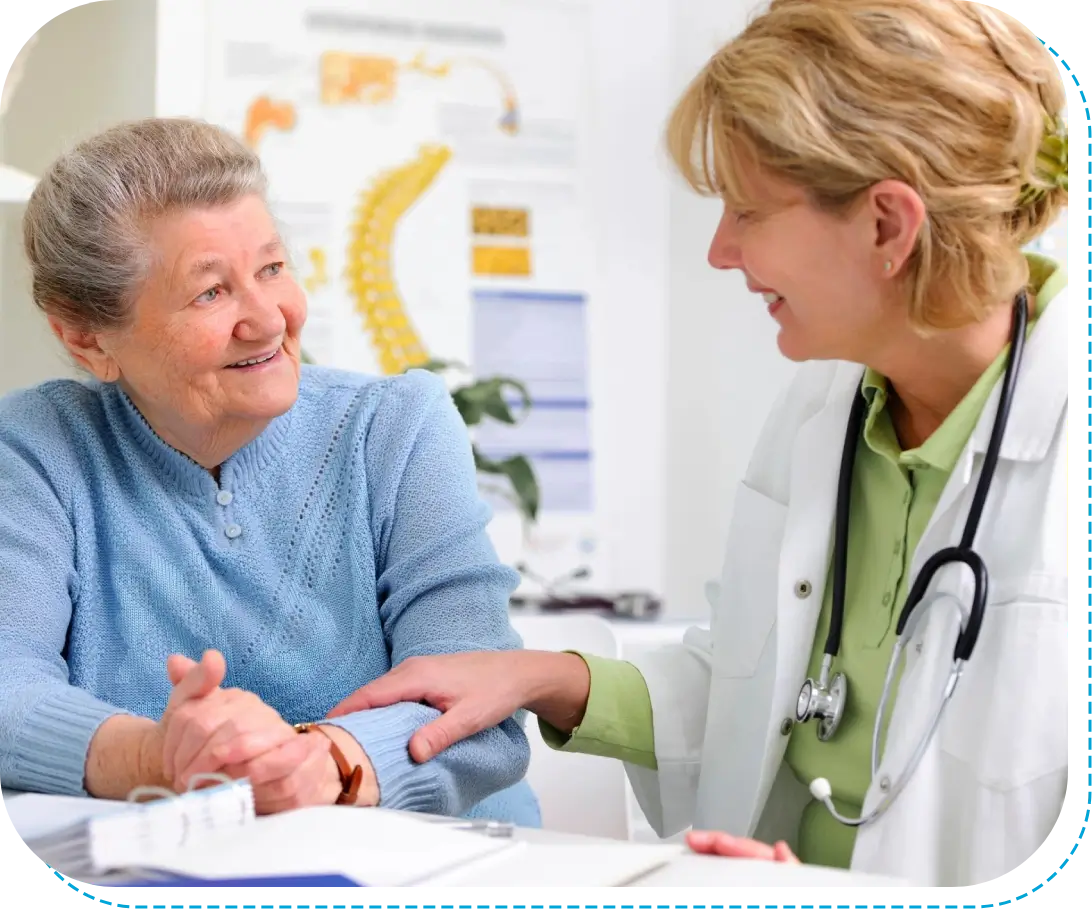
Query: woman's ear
x=898, y=216
x=85, y=347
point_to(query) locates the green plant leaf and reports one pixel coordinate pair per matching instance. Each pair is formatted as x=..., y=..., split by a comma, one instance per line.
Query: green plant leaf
x=491, y=398
x=468, y=405
x=439, y=365
x=520, y=475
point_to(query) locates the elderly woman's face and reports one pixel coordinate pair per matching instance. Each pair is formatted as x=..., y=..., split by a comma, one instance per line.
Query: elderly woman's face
x=817, y=274
x=215, y=333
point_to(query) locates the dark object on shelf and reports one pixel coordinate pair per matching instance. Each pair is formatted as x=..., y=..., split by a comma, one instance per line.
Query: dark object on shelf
x=641, y=606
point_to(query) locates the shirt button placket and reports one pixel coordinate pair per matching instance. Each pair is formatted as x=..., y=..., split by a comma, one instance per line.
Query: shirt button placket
x=232, y=531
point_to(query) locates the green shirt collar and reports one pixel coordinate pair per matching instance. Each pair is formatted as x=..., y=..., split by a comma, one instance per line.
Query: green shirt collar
x=942, y=449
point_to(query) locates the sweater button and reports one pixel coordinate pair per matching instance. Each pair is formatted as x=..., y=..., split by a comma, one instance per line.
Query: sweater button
x=233, y=531
x=224, y=497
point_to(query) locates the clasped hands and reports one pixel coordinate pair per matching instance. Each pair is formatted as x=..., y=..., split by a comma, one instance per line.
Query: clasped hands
x=210, y=729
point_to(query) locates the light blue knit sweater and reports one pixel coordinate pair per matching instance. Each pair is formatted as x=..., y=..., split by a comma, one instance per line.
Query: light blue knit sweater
x=346, y=538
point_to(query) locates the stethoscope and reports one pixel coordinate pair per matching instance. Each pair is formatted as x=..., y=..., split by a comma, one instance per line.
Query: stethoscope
x=825, y=699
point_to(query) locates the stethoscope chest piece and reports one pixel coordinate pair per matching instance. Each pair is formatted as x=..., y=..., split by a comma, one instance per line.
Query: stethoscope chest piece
x=818, y=702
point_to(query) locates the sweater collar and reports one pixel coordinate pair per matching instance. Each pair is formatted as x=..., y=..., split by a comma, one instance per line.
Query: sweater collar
x=239, y=470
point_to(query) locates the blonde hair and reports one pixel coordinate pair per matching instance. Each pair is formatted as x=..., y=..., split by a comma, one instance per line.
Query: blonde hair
x=956, y=99
x=84, y=230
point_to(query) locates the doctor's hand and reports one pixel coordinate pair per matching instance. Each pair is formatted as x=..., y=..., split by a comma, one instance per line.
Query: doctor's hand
x=477, y=691
x=714, y=843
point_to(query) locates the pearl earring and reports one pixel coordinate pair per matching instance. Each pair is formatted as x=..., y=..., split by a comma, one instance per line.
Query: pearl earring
x=887, y=266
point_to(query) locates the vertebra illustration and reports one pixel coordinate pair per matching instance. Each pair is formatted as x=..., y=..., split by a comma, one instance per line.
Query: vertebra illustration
x=369, y=272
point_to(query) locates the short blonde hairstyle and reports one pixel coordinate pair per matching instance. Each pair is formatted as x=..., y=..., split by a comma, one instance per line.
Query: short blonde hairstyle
x=954, y=98
x=85, y=227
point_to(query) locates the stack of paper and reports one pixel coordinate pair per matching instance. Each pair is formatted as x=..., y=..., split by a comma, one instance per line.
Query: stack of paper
x=373, y=847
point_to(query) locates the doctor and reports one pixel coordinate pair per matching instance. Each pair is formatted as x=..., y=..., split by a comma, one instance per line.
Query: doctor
x=882, y=166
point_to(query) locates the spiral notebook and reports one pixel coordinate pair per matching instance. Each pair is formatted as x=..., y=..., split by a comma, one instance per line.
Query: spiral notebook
x=201, y=835
x=116, y=836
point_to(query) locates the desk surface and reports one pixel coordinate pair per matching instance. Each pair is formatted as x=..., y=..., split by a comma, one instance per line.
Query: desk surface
x=687, y=870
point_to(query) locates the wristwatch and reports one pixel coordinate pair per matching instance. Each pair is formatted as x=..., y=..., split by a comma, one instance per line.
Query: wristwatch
x=351, y=777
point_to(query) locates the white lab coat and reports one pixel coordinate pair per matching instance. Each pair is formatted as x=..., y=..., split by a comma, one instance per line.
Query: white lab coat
x=991, y=785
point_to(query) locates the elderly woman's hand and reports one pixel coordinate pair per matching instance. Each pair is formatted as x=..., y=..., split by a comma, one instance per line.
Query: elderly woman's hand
x=235, y=733
x=715, y=843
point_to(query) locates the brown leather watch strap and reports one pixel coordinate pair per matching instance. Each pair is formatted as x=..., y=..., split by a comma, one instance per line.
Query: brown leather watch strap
x=351, y=777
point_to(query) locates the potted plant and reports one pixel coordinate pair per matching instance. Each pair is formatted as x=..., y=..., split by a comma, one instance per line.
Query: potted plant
x=512, y=478
x=480, y=399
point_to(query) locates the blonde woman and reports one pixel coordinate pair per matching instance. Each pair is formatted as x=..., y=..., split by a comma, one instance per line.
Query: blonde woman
x=882, y=165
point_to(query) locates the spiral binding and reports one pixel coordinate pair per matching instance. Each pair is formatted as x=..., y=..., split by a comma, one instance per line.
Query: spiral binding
x=132, y=838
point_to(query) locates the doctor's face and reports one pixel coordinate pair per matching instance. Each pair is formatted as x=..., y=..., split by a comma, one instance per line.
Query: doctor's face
x=814, y=271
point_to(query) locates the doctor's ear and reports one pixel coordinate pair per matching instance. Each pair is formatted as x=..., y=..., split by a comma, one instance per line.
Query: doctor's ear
x=86, y=348
x=897, y=215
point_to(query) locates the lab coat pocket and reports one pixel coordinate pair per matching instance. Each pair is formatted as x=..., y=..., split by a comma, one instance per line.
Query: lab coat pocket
x=1006, y=722
x=747, y=595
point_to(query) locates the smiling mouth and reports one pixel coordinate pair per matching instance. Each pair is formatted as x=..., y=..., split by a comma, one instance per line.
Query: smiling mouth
x=772, y=299
x=254, y=361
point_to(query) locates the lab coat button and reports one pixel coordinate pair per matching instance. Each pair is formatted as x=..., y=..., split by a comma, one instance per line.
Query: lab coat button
x=803, y=589
x=786, y=726
x=885, y=784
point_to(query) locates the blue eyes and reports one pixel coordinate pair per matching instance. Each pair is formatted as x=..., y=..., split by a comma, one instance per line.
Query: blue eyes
x=213, y=293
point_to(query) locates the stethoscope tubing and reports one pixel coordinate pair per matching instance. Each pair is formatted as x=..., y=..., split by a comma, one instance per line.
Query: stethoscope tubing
x=964, y=553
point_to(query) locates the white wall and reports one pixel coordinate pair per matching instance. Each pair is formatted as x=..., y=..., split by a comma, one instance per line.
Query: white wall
x=92, y=66
x=629, y=321
x=724, y=369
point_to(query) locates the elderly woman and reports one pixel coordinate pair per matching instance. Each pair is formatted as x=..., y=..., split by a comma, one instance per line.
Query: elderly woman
x=882, y=165
x=300, y=530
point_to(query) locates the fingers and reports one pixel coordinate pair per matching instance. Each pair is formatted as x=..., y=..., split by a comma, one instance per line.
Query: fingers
x=195, y=680
x=782, y=853
x=282, y=760
x=177, y=667
x=460, y=722
x=191, y=725
x=715, y=843
x=248, y=746
x=393, y=688
x=307, y=765
x=233, y=742
x=191, y=681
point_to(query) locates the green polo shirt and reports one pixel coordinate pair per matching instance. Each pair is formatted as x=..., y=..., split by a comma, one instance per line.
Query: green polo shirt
x=893, y=497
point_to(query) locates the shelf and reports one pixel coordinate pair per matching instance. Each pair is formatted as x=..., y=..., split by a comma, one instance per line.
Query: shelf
x=15, y=186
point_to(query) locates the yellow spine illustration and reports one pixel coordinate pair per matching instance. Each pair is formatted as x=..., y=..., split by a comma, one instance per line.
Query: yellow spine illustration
x=369, y=272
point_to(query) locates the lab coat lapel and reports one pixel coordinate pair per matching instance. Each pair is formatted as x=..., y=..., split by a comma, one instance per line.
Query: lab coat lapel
x=805, y=556
x=1037, y=406
x=809, y=532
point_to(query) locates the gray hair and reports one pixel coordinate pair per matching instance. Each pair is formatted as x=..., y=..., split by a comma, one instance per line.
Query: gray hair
x=85, y=227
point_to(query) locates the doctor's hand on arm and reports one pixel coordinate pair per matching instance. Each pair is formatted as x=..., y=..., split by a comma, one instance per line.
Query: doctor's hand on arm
x=476, y=691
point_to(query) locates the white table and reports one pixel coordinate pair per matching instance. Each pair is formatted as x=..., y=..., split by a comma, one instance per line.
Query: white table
x=685, y=870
